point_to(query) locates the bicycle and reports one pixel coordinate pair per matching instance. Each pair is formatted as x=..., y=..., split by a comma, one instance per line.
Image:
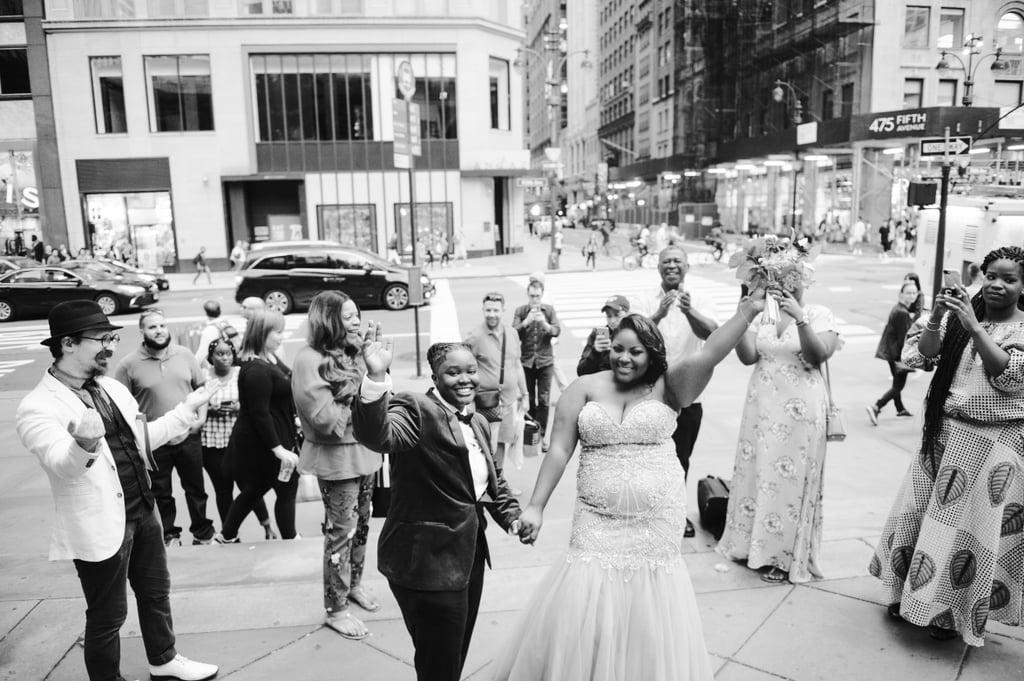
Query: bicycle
x=639, y=258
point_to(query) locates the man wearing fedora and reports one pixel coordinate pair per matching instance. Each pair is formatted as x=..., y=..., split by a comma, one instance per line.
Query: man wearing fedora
x=88, y=433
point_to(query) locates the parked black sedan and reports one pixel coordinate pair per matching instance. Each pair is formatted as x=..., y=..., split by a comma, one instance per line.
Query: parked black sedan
x=287, y=277
x=34, y=290
x=15, y=262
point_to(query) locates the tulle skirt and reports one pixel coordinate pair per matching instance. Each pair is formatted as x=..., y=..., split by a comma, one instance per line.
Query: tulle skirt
x=587, y=622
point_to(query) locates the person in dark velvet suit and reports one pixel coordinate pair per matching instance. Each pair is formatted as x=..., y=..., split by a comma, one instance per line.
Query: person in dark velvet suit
x=432, y=546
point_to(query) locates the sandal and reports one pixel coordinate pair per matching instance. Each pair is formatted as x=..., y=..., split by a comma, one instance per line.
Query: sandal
x=360, y=597
x=335, y=621
x=775, y=576
x=894, y=611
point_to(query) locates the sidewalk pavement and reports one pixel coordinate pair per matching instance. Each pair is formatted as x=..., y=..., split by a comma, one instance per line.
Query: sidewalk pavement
x=255, y=608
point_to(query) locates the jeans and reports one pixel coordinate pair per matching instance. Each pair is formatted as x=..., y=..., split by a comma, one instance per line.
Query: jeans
x=346, y=526
x=224, y=485
x=895, y=393
x=187, y=457
x=141, y=560
x=685, y=435
x=538, y=384
x=252, y=493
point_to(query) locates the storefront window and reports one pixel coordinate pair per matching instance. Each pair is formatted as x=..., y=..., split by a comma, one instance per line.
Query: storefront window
x=135, y=227
x=432, y=221
x=352, y=225
x=19, y=201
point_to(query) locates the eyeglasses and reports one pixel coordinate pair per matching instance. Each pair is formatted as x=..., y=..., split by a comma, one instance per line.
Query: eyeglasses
x=106, y=339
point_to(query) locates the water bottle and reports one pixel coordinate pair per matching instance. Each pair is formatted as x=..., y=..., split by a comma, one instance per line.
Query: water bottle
x=287, y=468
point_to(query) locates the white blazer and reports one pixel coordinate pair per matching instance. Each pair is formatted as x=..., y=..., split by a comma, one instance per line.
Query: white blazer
x=86, y=489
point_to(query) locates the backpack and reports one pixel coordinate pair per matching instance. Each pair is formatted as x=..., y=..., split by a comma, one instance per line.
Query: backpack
x=190, y=337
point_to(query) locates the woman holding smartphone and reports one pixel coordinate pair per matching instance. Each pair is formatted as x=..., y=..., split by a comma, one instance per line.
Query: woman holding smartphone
x=949, y=555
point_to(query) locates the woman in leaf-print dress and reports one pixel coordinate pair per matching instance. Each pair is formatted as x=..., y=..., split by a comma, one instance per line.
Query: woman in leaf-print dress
x=774, y=517
x=951, y=554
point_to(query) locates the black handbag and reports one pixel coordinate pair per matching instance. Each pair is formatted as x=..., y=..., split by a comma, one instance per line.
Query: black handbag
x=380, y=498
x=712, y=503
x=488, y=400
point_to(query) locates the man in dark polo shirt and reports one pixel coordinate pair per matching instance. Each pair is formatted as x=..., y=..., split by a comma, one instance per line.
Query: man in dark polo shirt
x=91, y=440
x=537, y=324
x=159, y=374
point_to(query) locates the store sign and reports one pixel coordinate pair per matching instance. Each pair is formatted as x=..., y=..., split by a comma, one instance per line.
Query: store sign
x=908, y=123
x=928, y=122
x=18, y=192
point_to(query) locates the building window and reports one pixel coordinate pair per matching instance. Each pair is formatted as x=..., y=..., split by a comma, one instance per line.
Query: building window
x=951, y=28
x=1010, y=33
x=258, y=7
x=103, y=9
x=178, y=8
x=352, y=225
x=14, y=72
x=846, y=105
x=1007, y=93
x=108, y=94
x=11, y=8
x=499, y=91
x=915, y=28
x=436, y=97
x=180, y=93
x=913, y=90
x=432, y=220
x=828, y=105
x=947, y=93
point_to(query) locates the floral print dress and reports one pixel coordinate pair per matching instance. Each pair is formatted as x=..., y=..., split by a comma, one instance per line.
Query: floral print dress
x=774, y=516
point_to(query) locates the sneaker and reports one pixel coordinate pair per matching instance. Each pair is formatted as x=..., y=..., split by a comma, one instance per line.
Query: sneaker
x=219, y=538
x=172, y=541
x=201, y=542
x=904, y=413
x=873, y=412
x=182, y=669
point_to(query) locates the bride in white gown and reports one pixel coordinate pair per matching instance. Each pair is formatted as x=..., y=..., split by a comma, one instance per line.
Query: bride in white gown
x=621, y=606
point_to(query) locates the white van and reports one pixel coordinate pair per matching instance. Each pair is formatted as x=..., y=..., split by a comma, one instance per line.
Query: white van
x=975, y=225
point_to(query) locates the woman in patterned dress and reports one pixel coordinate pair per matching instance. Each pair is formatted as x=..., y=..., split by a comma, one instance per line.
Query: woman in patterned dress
x=950, y=555
x=774, y=516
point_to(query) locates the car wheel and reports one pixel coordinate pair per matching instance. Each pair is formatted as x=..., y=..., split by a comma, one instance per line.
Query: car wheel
x=6, y=311
x=278, y=301
x=108, y=304
x=396, y=297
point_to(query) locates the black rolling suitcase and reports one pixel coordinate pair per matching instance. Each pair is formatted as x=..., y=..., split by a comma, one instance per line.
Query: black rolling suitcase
x=712, y=502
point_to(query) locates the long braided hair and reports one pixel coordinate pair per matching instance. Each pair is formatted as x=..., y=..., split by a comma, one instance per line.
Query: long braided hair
x=953, y=345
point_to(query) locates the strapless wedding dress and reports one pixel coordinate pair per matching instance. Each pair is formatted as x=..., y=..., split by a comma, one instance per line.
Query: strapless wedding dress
x=621, y=606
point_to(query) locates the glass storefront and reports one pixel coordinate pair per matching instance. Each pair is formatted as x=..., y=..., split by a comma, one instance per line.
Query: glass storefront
x=352, y=225
x=135, y=227
x=19, y=201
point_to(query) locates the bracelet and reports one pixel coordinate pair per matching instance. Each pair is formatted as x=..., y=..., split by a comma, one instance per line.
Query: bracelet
x=802, y=322
x=740, y=310
x=928, y=326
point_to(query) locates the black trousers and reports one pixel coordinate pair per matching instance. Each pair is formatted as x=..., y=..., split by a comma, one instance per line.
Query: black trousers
x=687, y=428
x=142, y=561
x=224, y=484
x=441, y=623
x=895, y=393
x=187, y=458
x=252, y=494
x=538, y=386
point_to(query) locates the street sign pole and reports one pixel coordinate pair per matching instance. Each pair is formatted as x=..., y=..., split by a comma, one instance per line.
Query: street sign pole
x=407, y=86
x=940, y=238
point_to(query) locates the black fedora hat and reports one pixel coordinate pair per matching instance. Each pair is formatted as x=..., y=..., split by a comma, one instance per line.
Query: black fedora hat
x=73, y=317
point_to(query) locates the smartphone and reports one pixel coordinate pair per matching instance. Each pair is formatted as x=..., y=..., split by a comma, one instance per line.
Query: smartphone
x=950, y=283
x=600, y=332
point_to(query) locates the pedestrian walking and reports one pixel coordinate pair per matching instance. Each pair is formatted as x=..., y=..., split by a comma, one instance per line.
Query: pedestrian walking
x=949, y=553
x=890, y=349
x=326, y=378
x=537, y=325
x=460, y=246
x=237, y=256
x=590, y=250
x=93, y=441
x=916, y=307
x=159, y=374
x=201, y=267
x=38, y=250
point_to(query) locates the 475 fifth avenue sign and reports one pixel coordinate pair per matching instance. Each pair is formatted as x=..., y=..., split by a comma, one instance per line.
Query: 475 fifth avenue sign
x=927, y=122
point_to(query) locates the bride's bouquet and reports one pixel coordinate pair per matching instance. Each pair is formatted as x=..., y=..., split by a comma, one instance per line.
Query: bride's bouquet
x=774, y=262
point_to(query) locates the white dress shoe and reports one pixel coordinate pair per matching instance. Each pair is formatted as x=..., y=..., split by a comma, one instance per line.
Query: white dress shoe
x=182, y=669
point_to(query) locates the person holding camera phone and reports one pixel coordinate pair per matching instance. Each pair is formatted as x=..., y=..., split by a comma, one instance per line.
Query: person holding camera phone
x=599, y=342
x=949, y=553
x=537, y=325
x=221, y=415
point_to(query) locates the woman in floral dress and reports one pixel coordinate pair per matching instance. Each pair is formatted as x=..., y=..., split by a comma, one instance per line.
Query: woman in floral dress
x=774, y=515
x=950, y=553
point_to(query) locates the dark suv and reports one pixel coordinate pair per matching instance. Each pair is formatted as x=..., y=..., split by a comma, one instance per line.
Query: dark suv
x=287, y=276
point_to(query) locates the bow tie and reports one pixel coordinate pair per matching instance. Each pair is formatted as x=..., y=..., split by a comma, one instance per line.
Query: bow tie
x=466, y=418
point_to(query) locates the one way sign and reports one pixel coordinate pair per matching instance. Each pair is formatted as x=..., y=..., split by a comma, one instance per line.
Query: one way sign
x=938, y=146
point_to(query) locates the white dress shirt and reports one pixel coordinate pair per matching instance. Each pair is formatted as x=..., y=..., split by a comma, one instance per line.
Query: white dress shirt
x=680, y=340
x=372, y=391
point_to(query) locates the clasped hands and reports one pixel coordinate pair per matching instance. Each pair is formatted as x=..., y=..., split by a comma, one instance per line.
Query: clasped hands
x=527, y=527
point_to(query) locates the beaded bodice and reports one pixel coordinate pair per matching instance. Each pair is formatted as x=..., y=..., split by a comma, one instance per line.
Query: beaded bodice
x=630, y=505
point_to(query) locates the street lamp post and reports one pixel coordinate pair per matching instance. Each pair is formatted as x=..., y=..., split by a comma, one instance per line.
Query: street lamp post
x=553, y=152
x=778, y=94
x=972, y=48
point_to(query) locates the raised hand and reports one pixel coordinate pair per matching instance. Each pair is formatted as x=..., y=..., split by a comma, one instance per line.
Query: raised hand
x=88, y=431
x=960, y=305
x=378, y=351
x=683, y=301
x=788, y=303
x=201, y=395
x=529, y=524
